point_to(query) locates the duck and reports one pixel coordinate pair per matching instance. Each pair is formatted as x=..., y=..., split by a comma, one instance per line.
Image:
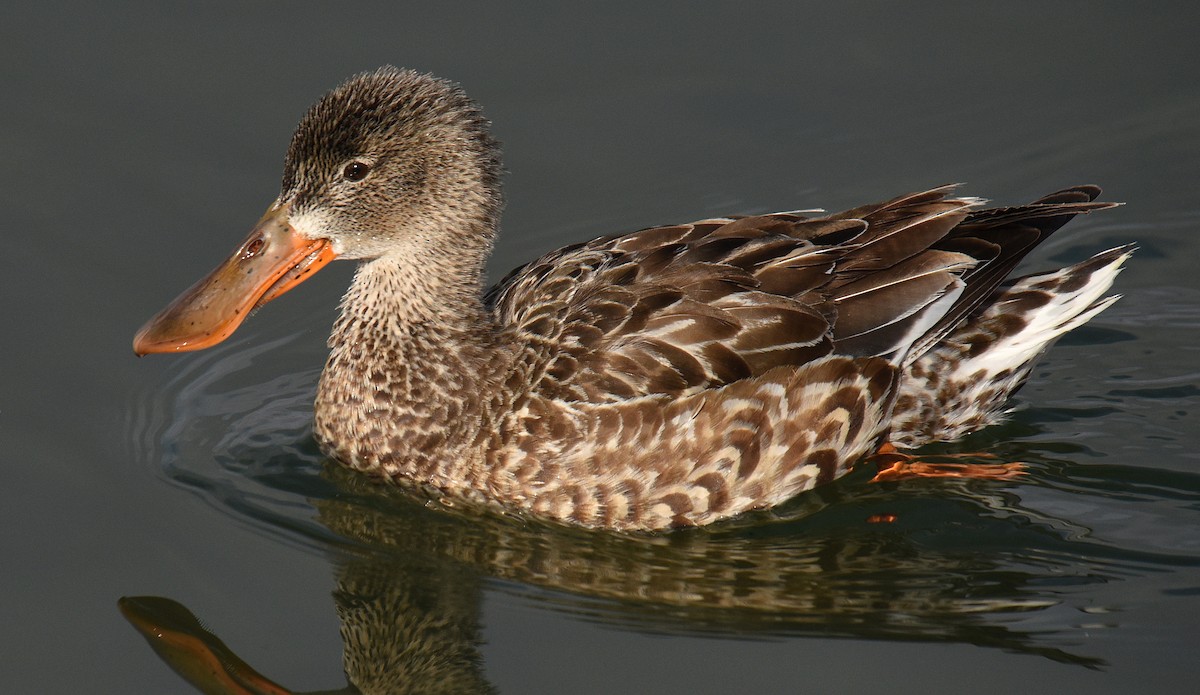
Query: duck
x=670, y=377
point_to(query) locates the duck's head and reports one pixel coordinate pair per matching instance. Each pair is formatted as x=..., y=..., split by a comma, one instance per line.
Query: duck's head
x=390, y=162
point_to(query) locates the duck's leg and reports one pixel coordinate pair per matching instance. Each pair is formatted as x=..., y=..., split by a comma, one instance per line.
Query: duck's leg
x=894, y=465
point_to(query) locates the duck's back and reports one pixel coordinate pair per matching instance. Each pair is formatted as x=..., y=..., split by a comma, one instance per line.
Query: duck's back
x=679, y=309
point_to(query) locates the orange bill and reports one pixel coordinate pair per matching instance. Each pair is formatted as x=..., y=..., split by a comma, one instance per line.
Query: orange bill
x=193, y=652
x=271, y=261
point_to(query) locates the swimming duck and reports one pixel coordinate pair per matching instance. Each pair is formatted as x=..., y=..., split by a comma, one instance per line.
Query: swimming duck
x=671, y=377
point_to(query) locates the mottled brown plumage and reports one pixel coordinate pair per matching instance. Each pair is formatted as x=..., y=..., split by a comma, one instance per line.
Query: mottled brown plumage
x=670, y=377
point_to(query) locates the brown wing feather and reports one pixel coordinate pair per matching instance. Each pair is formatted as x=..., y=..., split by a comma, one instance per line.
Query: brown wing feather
x=683, y=308
x=999, y=238
x=673, y=309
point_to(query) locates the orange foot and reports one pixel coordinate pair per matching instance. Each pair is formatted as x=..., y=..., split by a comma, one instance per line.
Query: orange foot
x=894, y=465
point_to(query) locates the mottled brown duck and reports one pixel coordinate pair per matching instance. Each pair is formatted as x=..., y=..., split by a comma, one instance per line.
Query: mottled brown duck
x=670, y=377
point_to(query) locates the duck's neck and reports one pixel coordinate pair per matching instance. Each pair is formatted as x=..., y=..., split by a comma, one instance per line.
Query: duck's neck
x=414, y=360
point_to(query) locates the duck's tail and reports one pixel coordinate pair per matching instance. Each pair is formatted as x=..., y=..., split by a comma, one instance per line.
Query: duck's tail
x=962, y=383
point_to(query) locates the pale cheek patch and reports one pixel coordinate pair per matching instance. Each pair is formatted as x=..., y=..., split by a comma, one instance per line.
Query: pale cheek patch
x=316, y=225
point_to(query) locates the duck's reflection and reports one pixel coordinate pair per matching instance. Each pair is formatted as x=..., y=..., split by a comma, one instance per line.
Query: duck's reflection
x=411, y=581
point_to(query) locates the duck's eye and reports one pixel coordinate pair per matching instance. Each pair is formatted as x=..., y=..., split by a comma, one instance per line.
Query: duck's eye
x=356, y=171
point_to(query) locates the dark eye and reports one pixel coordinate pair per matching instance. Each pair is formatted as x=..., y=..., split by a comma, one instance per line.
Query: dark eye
x=356, y=171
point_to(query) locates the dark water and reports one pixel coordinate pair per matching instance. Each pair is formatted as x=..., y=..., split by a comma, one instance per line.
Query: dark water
x=141, y=143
